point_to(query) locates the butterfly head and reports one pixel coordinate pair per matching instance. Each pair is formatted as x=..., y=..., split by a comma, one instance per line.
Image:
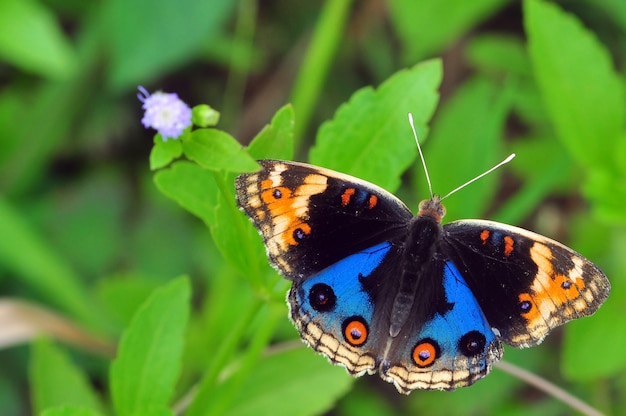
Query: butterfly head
x=432, y=208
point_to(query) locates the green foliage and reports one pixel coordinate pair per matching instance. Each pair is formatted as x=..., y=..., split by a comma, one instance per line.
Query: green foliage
x=42, y=48
x=422, y=37
x=148, y=361
x=56, y=382
x=165, y=34
x=367, y=136
x=91, y=231
x=49, y=274
x=471, y=123
x=588, y=116
x=266, y=388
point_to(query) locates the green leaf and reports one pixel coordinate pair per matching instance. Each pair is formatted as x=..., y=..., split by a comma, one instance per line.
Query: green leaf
x=165, y=35
x=216, y=150
x=123, y=295
x=428, y=26
x=31, y=39
x=198, y=191
x=275, y=141
x=192, y=187
x=51, y=111
x=159, y=262
x=585, y=337
x=66, y=215
x=36, y=264
x=366, y=402
x=370, y=137
x=608, y=192
x=239, y=242
x=147, y=365
x=582, y=93
x=69, y=411
x=546, y=168
x=215, y=401
x=56, y=381
x=499, y=54
x=164, y=152
x=471, y=123
x=274, y=380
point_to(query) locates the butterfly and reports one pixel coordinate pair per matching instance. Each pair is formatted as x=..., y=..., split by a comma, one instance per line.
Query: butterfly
x=426, y=305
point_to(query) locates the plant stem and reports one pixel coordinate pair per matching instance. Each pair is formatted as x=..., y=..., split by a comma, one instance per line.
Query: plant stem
x=548, y=388
x=315, y=65
x=203, y=398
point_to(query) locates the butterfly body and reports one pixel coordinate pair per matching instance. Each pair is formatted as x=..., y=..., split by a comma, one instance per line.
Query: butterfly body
x=426, y=305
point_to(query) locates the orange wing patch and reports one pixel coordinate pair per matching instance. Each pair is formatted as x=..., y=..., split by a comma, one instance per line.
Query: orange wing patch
x=508, y=245
x=554, y=297
x=283, y=211
x=484, y=236
x=373, y=201
x=346, y=196
x=279, y=207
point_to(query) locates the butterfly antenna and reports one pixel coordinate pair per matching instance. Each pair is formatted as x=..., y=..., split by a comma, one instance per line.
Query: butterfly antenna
x=504, y=162
x=419, y=148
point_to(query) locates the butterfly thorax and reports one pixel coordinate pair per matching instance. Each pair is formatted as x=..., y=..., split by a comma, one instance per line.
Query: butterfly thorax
x=424, y=235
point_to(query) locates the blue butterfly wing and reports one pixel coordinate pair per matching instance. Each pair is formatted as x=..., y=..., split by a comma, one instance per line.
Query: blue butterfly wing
x=343, y=312
x=453, y=348
x=333, y=310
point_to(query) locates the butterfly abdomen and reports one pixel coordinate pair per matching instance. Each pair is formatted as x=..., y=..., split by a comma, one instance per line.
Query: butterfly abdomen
x=419, y=249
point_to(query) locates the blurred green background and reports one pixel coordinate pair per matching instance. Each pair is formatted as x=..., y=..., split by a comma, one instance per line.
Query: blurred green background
x=85, y=233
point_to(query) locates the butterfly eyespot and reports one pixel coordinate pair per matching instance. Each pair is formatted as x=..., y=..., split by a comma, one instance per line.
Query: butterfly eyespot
x=299, y=234
x=473, y=343
x=566, y=284
x=525, y=304
x=322, y=297
x=425, y=352
x=273, y=195
x=355, y=331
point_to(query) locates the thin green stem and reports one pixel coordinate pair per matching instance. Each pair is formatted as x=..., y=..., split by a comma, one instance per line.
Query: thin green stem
x=315, y=65
x=245, y=28
x=258, y=345
x=203, y=398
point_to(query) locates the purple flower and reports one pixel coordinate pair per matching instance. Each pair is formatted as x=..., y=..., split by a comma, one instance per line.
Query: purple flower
x=165, y=113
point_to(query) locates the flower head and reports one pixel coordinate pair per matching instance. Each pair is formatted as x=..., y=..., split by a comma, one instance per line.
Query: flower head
x=166, y=113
